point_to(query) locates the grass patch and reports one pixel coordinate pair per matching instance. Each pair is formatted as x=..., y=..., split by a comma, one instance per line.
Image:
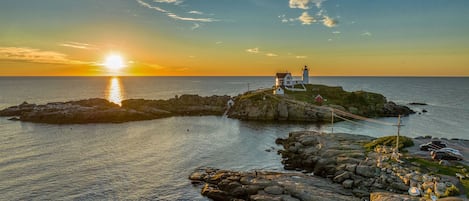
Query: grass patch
x=364, y=103
x=256, y=96
x=465, y=183
x=390, y=141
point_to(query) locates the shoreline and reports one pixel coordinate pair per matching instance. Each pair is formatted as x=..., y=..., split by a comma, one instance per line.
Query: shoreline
x=259, y=105
x=325, y=165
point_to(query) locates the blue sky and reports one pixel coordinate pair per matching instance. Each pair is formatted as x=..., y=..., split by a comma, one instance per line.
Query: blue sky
x=236, y=37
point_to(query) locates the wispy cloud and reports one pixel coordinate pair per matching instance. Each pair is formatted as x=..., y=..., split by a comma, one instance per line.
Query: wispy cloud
x=301, y=57
x=306, y=19
x=196, y=26
x=329, y=22
x=253, y=50
x=171, y=14
x=336, y=32
x=284, y=19
x=78, y=45
x=305, y=4
x=176, y=2
x=26, y=54
x=195, y=12
x=145, y=4
x=366, y=33
x=218, y=42
x=256, y=50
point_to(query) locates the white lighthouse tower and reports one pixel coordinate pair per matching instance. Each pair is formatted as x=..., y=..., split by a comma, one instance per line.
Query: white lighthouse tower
x=305, y=75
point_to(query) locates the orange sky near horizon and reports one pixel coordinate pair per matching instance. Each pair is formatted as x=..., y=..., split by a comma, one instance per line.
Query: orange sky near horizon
x=187, y=38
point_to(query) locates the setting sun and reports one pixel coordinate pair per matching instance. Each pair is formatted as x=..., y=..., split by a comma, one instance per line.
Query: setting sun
x=114, y=62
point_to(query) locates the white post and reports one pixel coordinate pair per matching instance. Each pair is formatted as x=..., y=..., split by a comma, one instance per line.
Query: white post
x=332, y=112
x=398, y=132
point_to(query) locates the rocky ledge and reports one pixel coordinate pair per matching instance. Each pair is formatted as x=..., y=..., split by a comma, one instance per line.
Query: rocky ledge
x=223, y=185
x=330, y=167
x=98, y=110
x=302, y=106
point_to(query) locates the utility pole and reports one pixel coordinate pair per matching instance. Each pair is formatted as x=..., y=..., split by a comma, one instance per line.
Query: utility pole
x=399, y=125
x=248, y=86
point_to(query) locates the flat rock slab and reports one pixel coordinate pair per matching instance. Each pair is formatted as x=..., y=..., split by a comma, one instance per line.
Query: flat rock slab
x=263, y=185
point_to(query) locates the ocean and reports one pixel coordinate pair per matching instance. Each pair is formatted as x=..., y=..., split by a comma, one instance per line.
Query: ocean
x=151, y=160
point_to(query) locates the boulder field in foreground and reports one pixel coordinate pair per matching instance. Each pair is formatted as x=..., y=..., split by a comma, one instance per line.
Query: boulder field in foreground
x=334, y=167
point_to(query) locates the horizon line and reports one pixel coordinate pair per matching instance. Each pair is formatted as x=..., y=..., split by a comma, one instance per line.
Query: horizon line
x=369, y=76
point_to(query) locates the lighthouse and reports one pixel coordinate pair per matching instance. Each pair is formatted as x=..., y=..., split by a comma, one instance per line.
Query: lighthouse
x=305, y=75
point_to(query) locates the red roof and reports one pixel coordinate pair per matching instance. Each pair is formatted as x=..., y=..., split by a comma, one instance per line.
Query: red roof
x=281, y=75
x=319, y=98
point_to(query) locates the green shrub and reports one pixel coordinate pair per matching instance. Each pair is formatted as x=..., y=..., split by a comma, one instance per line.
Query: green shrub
x=390, y=141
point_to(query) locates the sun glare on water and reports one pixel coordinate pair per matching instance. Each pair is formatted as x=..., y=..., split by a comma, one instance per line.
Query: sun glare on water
x=114, y=62
x=115, y=92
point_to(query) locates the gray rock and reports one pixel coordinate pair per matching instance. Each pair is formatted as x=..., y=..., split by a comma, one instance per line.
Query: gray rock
x=265, y=197
x=282, y=111
x=245, y=180
x=274, y=190
x=366, y=171
x=347, y=184
x=309, y=140
x=288, y=198
x=342, y=177
x=252, y=189
x=399, y=186
x=262, y=182
x=351, y=167
x=360, y=193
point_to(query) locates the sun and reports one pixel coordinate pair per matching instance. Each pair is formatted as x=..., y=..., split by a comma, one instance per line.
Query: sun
x=114, y=62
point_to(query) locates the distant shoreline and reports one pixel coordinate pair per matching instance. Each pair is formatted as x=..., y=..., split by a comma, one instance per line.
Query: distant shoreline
x=208, y=76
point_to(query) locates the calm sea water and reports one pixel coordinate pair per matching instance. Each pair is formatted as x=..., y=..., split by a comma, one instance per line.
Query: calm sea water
x=152, y=159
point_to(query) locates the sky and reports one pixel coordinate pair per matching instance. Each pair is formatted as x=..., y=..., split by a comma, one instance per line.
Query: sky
x=234, y=37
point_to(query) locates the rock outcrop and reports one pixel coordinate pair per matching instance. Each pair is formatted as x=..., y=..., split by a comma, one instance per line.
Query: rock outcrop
x=342, y=159
x=333, y=167
x=223, y=185
x=98, y=110
x=182, y=105
x=83, y=111
x=266, y=107
x=300, y=106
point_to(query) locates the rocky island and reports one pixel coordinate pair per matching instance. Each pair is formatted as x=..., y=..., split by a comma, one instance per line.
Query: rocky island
x=254, y=105
x=97, y=110
x=302, y=105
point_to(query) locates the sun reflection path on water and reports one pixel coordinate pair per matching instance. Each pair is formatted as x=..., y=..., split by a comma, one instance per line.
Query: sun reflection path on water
x=114, y=91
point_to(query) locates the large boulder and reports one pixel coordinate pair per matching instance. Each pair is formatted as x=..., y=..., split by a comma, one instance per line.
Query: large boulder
x=391, y=109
